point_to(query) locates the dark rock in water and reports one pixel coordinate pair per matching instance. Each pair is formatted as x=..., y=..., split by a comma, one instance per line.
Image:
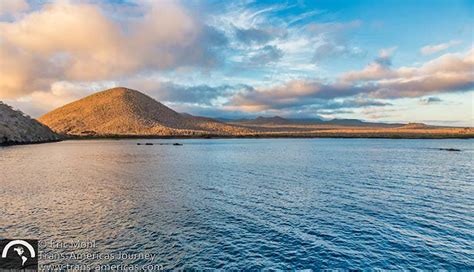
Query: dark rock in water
x=160, y=144
x=450, y=149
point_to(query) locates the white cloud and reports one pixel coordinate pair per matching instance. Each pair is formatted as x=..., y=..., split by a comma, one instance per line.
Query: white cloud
x=387, y=53
x=379, y=68
x=432, y=49
x=332, y=39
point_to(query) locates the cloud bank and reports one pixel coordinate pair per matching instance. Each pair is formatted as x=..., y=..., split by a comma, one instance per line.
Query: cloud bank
x=378, y=80
x=78, y=42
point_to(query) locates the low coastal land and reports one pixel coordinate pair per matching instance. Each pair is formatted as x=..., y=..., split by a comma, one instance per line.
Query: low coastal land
x=339, y=132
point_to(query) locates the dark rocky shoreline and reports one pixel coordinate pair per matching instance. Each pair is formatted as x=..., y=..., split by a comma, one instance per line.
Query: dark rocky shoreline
x=18, y=128
x=11, y=143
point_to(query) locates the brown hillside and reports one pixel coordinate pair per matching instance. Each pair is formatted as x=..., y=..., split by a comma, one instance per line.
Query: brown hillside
x=122, y=111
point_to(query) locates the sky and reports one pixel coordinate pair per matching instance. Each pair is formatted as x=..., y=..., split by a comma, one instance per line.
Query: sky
x=382, y=61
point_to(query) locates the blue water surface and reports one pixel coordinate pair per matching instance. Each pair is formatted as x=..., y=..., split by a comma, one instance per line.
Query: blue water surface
x=246, y=203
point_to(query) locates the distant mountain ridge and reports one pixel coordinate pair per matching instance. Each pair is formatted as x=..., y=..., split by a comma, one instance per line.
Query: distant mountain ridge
x=275, y=120
x=17, y=128
x=278, y=120
x=123, y=111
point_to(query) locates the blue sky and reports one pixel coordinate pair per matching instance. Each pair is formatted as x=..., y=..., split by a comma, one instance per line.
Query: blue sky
x=387, y=61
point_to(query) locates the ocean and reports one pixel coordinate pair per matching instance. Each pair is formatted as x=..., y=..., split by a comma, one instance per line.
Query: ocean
x=249, y=204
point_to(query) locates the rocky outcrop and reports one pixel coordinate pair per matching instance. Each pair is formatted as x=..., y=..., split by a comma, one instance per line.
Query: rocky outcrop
x=17, y=128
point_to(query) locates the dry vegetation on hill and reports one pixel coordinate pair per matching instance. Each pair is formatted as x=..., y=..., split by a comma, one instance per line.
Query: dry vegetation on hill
x=122, y=111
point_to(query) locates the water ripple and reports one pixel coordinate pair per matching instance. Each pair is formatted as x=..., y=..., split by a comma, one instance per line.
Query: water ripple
x=248, y=204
